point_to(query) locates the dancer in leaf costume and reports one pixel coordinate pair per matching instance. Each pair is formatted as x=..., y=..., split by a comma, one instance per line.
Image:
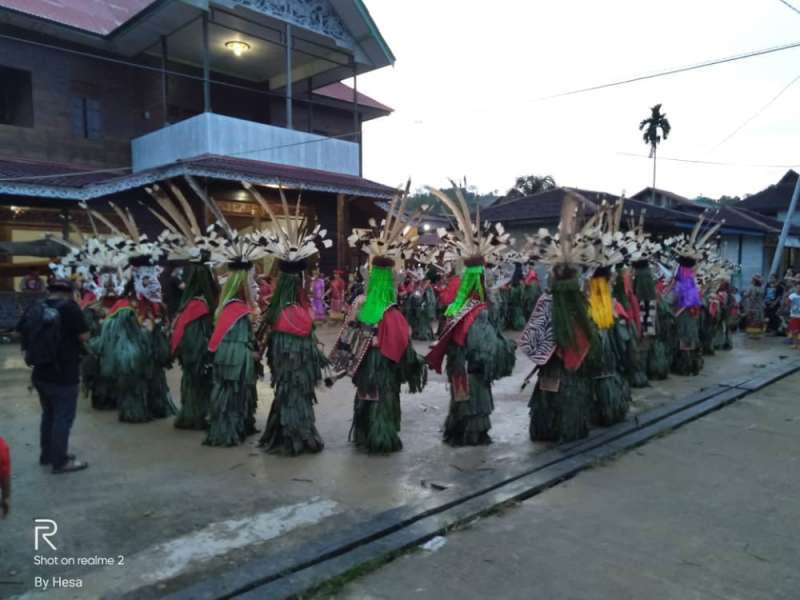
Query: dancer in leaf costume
x=686, y=253
x=193, y=323
x=131, y=348
x=105, y=288
x=560, y=334
x=627, y=329
x=477, y=353
x=517, y=316
x=531, y=292
x=422, y=309
x=374, y=346
x=611, y=390
x=152, y=314
x=236, y=363
x=287, y=333
x=189, y=344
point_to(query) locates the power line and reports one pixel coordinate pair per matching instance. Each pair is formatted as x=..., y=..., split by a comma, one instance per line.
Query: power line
x=794, y=8
x=710, y=162
x=757, y=113
x=673, y=71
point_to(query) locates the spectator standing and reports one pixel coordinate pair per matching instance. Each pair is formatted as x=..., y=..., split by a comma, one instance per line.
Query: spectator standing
x=32, y=283
x=794, y=314
x=52, y=334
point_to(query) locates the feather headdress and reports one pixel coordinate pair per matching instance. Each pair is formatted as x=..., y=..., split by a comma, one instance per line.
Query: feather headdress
x=698, y=246
x=611, y=246
x=222, y=243
x=396, y=235
x=570, y=246
x=289, y=240
x=182, y=236
x=644, y=248
x=475, y=242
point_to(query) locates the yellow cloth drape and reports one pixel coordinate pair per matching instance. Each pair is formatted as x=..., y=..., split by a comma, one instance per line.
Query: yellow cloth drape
x=601, y=305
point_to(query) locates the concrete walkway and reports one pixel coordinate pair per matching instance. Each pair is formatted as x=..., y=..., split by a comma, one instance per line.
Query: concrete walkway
x=711, y=511
x=177, y=511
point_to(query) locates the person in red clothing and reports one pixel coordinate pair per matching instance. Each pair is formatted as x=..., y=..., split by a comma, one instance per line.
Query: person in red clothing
x=5, y=479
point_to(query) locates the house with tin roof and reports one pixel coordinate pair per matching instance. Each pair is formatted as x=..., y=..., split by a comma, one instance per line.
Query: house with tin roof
x=99, y=99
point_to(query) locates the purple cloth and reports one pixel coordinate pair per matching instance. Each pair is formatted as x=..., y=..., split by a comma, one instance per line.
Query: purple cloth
x=318, y=299
x=686, y=289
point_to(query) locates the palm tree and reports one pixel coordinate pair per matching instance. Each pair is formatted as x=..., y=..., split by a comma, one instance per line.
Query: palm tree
x=650, y=126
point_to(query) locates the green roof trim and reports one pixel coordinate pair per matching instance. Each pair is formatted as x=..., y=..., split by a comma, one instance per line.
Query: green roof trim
x=362, y=9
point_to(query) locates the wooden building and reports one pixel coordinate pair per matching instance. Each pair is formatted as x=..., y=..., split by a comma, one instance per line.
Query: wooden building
x=99, y=99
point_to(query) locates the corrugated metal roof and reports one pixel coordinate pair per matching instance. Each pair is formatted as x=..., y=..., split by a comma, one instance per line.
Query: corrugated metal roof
x=56, y=180
x=344, y=93
x=95, y=16
x=775, y=198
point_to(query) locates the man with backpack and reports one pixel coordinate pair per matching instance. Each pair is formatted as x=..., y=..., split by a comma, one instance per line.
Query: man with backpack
x=52, y=333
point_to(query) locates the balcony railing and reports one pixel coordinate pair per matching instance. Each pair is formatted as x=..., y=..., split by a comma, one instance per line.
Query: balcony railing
x=211, y=133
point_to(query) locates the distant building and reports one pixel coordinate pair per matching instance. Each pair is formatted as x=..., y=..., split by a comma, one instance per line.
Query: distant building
x=100, y=99
x=747, y=237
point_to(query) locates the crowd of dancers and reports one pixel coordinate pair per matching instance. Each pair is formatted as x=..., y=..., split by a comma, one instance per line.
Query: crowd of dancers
x=602, y=308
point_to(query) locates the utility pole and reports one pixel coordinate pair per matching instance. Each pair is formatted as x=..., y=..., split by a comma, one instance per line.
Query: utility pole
x=787, y=225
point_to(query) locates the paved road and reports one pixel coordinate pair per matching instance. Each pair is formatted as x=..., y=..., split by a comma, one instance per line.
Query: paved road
x=710, y=512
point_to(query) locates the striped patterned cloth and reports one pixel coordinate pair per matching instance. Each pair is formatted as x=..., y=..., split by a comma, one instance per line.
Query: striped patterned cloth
x=538, y=341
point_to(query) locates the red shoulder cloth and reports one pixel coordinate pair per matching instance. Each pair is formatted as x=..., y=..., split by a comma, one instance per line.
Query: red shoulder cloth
x=295, y=320
x=87, y=299
x=448, y=294
x=5, y=460
x=196, y=308
x=393, y=334
x=573, y=357
x=119, y=305
x=456, y=334
x=233, y=311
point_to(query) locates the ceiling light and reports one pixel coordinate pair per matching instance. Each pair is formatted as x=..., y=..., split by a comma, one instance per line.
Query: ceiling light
x=238, y=47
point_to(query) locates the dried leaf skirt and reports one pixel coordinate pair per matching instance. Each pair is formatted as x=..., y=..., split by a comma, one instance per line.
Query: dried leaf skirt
x=296, y=365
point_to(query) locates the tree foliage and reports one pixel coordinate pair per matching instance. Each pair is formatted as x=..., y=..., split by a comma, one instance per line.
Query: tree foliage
x=657, y=121
x=527, y=185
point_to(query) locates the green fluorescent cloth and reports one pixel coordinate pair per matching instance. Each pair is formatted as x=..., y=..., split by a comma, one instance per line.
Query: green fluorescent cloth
x=471, y=285
x=381, y=294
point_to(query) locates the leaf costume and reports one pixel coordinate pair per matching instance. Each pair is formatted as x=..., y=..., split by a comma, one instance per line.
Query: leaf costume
x=189, y=344
x=295, y=362
x=375, y=349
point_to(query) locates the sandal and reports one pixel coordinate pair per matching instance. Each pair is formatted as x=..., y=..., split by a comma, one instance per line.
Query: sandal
x=44, y=461
x=71, y=466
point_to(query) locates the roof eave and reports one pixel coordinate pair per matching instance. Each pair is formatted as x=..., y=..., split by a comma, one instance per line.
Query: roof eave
x=129, y=182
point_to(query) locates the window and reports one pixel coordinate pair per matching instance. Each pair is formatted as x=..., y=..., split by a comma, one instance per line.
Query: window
x=16, y=97
x=87, y=118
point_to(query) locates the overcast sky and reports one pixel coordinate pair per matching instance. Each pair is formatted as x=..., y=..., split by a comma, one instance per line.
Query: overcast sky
x=468, y=76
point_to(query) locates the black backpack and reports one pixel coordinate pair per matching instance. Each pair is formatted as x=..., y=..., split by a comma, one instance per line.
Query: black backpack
x=40, y=328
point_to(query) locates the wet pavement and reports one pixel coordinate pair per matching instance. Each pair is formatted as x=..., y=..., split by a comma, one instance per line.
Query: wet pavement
x=709, y=512
x=177, y=511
